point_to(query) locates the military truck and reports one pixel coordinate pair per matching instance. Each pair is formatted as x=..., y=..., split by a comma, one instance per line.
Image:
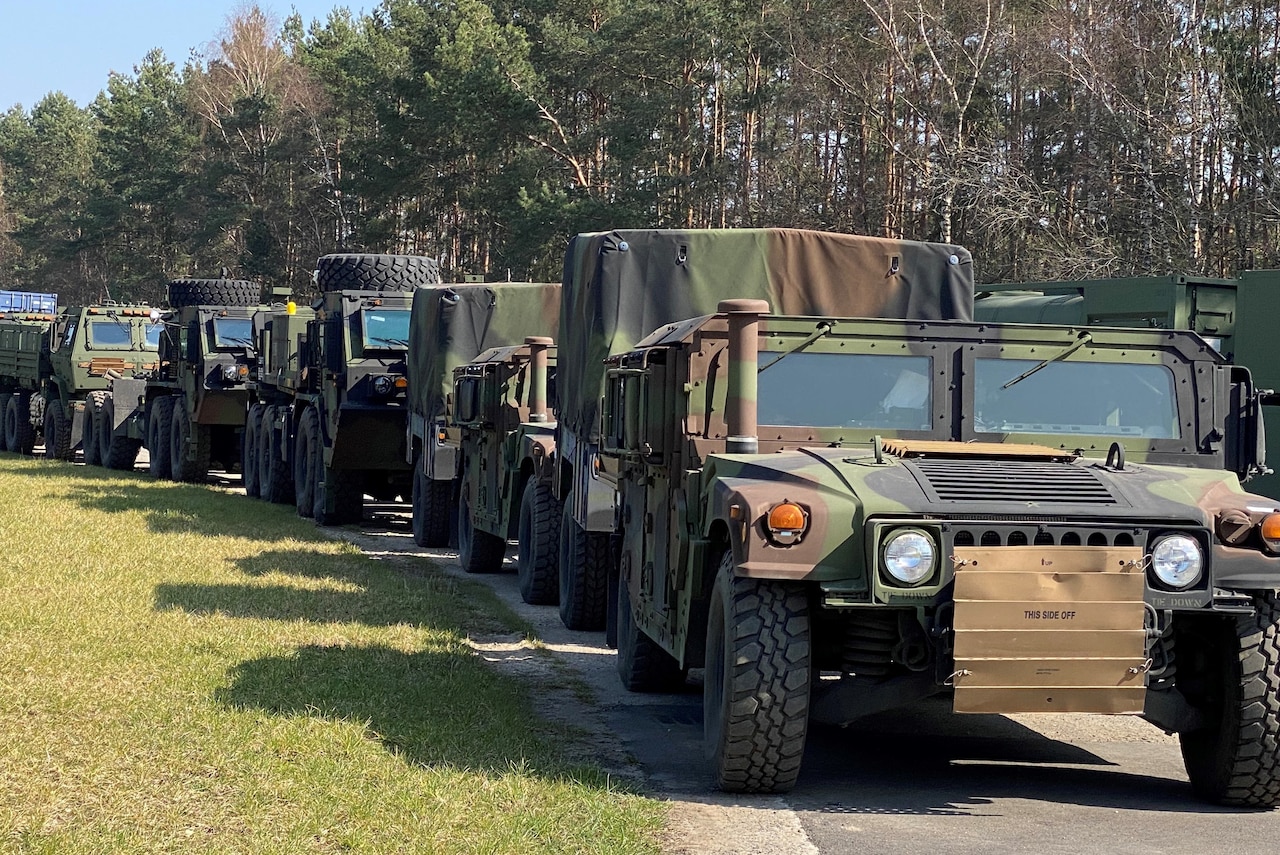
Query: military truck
x=450, y=327
x=25, y=321
x=508, y=443
x=190, y=412
x=334, y=429
x=1234, y=315
x=618, y=286
x=839, y=516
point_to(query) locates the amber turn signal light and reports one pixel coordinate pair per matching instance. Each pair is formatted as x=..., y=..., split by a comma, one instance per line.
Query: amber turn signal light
x=787, y=522
x=1270, y=531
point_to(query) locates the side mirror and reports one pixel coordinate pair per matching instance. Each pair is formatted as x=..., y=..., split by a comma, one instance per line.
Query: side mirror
x=1246, y=436
x=467, y=394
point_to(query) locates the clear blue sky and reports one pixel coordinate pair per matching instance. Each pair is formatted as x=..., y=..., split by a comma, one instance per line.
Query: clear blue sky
x=72, y=45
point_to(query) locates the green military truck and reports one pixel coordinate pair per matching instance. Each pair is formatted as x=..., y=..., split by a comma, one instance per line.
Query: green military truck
x=450, y=327
x=25, y=321
x=618, y=286
x=333, y=429
x=500, y=406
x=839, y=516
x=189, y=412
x=1234, y=315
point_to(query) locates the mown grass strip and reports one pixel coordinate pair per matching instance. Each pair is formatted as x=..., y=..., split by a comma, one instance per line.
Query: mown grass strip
x=183, y=670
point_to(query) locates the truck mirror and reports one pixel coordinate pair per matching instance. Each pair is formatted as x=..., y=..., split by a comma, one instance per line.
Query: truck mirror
x=1246, y=441
x=468, y=403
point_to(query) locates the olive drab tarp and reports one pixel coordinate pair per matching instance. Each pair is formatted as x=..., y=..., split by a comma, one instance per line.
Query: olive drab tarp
x=621, y=285
x=453, y=325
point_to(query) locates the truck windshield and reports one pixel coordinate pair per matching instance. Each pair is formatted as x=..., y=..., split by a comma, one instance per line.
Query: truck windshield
x=232, y=332
x=112, y=333
x=154, y=331
x=1098, y=398
x=386, y=328
x=846, y=390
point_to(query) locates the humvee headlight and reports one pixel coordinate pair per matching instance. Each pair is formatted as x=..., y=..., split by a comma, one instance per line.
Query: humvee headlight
x=1270, y=531
x=383, y=385
x=787, y=523
x=908, y=556
x=1177, y=561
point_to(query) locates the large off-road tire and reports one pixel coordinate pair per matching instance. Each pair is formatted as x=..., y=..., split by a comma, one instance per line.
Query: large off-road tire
x=431, y=499
x=584, y=574
x=181, y=433
x=363, y=272
x=643, y=666
x=89, y=440
x=755, y=700
x=159, y=424
x=57, y=433
x=538, y=549
x=275, y=480
x=115, y=452
x=249, y=452
x=339, y=496
x=308, y=454
x=1236, y=759
x=478, y=551
x=214, y=292
x=19, y=435
x=4, y=408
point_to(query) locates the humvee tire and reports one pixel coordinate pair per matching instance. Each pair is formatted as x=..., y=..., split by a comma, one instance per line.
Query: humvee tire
x=342, y=488
x=755, y=696
x=430, y=509
x=1236, y=759
x=478, y=551
x=249, y=452
x=538, y=548
x=19, y=435
x=307, y=456
x=642, y=664
x=364, y=272
x=57, y=433
x=158, y=426
x=4, y=408
x=214, y=292
x=89, y=443
x=584, y=574
x=118, y=453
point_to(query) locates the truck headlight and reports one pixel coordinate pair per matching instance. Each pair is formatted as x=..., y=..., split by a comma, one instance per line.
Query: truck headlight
x=1176, y=560
x=230, y=373
x=908, y=555
x=382, y=385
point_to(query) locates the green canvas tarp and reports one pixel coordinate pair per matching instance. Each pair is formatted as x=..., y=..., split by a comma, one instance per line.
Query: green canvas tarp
x=622, y=285
x=453, y=325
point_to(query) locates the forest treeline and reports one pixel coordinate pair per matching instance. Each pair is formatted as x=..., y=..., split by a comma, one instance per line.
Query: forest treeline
x=1055, y=140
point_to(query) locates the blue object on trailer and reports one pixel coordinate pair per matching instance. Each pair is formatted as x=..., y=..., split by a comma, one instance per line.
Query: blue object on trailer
x=28, y=301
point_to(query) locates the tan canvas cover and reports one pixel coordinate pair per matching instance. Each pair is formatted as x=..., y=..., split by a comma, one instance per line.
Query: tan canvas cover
x=453, y=325
x=621, y=285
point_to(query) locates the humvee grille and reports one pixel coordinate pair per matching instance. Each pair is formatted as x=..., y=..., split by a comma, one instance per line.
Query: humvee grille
x=1010, y=481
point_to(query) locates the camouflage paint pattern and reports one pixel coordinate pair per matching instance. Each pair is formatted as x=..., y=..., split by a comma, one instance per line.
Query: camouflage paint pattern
x=1049, y=488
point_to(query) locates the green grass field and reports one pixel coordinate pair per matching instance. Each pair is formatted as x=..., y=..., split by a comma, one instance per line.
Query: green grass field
x=184, y=670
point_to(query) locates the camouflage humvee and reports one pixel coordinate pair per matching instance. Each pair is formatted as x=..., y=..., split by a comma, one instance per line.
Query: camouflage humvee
x=840, y=516
x=619, y=286
x=450, y=327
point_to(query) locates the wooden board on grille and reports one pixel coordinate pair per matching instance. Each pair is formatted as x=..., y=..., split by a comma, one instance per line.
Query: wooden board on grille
x=1049, y=629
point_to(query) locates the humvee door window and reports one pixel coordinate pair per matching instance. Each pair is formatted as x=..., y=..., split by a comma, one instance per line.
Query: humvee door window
x=385, y=328
x=1098, y=398
x=232, y=332
x=846, y=390
x=110, y=333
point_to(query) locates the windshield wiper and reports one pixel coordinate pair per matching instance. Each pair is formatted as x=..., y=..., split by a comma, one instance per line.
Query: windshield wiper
x=824, y=328
x=1085, y=338
x=394, y=342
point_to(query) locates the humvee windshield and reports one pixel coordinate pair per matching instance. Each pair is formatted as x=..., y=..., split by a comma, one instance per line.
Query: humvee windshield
x=1099, y=398
x=845, y=390
x=232, y=332
x=385, y=328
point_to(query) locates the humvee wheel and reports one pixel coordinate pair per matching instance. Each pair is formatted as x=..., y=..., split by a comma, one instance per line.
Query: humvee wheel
x=430, y=509
x=57, y=433
x=584, y=573
x=1236, y=759
x=249, y=452
x=19, y=435
x=89, y=441
x=306, y=457
x=159, y=425
x=642, y=664
x=755, y=698
x=338, y=494
x=114, y=452
x=538, y=548
x=478, y=551
x=4, y=408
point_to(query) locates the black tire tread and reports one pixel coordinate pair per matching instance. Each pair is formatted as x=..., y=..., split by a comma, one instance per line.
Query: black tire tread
x=158, y=426
x=305, y=461
x=431, y=503
x=91, y=440
x=20, y=436
x=369, y=272
x=249, y=452
x=643, y=666
x=213, y=292
x=343, y=490
x=117, y=453
x=57, y=433
x=4, y=408
x=538, y=549
x=584, y=575
x=478, y=551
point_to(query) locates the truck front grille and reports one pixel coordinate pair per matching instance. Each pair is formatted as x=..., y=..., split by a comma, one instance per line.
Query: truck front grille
x=1038, y=534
